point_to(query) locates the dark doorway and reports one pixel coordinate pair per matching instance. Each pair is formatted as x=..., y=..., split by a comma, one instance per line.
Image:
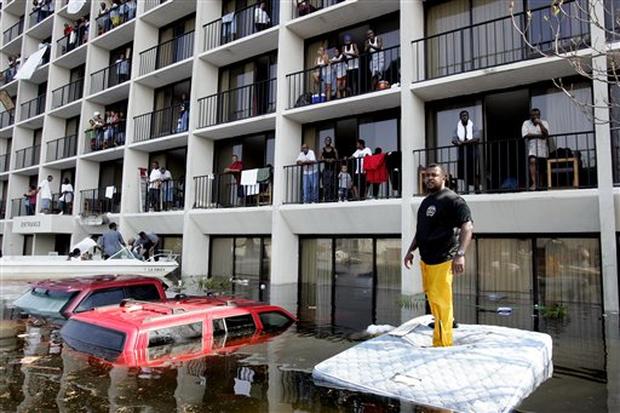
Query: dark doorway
x=346, y=135
x=503, y=155
x=62, y=244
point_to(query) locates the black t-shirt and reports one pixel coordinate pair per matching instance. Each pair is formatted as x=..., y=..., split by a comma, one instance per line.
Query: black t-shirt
x=438, y=217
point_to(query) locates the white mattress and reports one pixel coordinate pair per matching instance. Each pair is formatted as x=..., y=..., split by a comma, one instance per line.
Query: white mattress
x=489, y=368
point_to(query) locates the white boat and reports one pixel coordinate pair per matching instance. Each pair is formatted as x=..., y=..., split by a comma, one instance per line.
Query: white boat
x=39, y=267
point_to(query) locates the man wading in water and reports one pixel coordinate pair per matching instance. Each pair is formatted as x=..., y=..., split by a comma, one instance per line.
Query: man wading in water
x=440, y=215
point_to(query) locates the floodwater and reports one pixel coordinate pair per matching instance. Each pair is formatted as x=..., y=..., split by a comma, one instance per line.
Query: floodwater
x=39, y=374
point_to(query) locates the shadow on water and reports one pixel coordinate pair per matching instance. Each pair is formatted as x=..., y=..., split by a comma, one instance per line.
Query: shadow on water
x=38, y=374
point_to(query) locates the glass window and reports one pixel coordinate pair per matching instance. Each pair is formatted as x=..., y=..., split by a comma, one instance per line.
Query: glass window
x=380, y=134
x=44, y=302
x=175, y=334
x=101, y=298
x=240, y=324
x=316, y=281
x=92, y=339
x=388, y=286
x=222, y=248
x=219, y=327
x=146, y=292
x=247, y=257
x=274, y=321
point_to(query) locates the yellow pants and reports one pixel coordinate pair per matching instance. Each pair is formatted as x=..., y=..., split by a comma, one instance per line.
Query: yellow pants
x=437, y=282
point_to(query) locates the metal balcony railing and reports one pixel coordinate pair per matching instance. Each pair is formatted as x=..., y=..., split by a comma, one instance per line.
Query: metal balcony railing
x=226, y=190
x=168, y=196
x=239, y=103
x=2, y=208
x=33, y=107
x=110, y=76
x=27, y=157
x=116, y=16
x=374, y=71
x=8, y=74
x=561, y=161
x=322, y=182
x=106, y=137
x=7, y=118
x=151, y=4
x=15, y=30
x=71, y=41
x=243, y=22
x=163, y=122
x=100, y=201
x=67, y=93
x=497, y=42
x=61, y=148
x=41, y=13
x=21, y=207
x=305, y=7
x=167, y=53
x=5, y=160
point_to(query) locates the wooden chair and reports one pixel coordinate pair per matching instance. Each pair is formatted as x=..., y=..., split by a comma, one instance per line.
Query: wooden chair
x=554, y=167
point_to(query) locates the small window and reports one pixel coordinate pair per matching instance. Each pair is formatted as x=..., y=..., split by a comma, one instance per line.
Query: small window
x=101, y=298
x=274, y=321
x=219, y=328
x=146, y=292
x=89, y=338
x=240, y=323
x=175, y=334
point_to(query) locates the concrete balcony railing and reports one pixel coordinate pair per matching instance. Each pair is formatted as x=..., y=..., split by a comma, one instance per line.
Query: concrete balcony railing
x=239, y=24
x=569, y=161
x=375, y=71
x=319, y=182
x=167, y=53
x=229, y=191
x=239, y=103
x=100, y=201
x=61, y=148
x=497, y=42
x=160, y=123
x=27, y=157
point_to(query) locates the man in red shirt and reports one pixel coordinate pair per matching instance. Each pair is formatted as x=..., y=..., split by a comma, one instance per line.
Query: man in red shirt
x=235, y=169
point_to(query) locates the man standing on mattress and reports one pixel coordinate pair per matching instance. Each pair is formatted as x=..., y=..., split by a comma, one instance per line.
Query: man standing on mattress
x=443, y=215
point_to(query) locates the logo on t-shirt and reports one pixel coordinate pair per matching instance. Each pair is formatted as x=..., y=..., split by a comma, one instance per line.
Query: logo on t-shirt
x=430, y=211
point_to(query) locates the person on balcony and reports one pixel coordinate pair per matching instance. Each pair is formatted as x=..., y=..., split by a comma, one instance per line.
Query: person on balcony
x=98, y=125
x=305, y=7
x=466, y=138
x=154, y=187
x=359, y=177
x=183, y=120
x=235, y=168
x=307, y=161
x=536, y=131
x=130, y=7
x=119, y=129
x=104, y=18
x=329, y=156
x=30, y=200
x=167, y=188
x=261, y=19
x=66, y=197
x=45, y=191
x=344, y=183
x=122, y=69
x=376, y=171
x=374, y=46
x=352, y=54
x=115, y=14
x=339, y=65
x=322, y=76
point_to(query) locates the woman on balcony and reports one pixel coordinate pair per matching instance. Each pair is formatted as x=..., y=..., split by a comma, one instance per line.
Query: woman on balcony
x=352, y=53
x=339, y=63
x=374, y=46
x=322, y=76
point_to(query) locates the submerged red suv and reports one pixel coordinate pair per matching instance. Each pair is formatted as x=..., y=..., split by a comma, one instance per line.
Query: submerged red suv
x=66, y=297
x=153, y=334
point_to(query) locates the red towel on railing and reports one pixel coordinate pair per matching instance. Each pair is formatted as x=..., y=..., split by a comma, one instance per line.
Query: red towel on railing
x=376, y=171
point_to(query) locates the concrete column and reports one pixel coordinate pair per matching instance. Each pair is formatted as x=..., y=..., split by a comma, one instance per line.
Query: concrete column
x=412, y=135
x=285, y=249
x=604, y=168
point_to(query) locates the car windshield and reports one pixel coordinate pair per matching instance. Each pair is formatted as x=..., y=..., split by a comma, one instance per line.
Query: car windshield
x=44, y=302
x=92, y=339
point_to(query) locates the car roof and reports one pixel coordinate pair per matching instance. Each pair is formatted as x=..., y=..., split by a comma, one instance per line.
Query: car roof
x=94, y=282
x=144, y=315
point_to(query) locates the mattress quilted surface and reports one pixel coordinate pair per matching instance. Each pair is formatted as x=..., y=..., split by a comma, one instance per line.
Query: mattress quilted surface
x=488, y=369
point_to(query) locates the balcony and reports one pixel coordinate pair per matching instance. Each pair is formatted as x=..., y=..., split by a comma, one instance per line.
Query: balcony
x=224, y=191
x=20, y=207
x=305, y=7
x=68, y=93
x=319, y=182
x=169, y=196
x=502, y=165
x=61, y=148
x=116, y=17
x=239, y=24
x=33, y=107
x=497, y=42
x=239, y=103
x=111, y=76
x=151, y=4
x=167, y=53
x=160, y=123
x=106, y=137
x=320, y=84
x=27, y=157
x=41, y=13
x=5, y=160
x=8, y=75
x=12, y=32
x=2, y=209
x=7, y=118
x=71, y=42
x=100, y=201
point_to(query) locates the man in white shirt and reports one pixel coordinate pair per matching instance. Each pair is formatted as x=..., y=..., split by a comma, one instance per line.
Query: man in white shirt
x=307, y=160
x=154, y=186
x=261, y=18
x=45, y=191
x=359, y=178
x=536, y=131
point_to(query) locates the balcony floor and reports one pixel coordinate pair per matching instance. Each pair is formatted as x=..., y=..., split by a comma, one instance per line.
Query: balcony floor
x=110, y=95
x=244, y=48
x=161, y=144
x=251, y=125
x=167, y=75
x=116, y=37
